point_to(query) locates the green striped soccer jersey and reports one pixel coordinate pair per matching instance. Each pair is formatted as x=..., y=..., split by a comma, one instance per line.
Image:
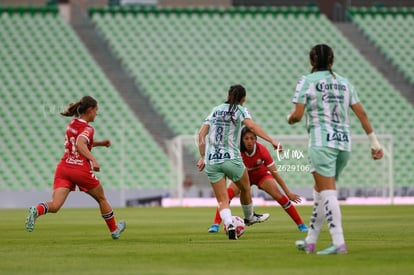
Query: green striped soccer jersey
x=223, y=139
x=327, y=101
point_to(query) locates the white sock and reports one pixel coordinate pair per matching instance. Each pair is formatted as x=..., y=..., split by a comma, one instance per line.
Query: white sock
x=225, y=215
x=316, y=219
x=248, y=211
x=333, y=216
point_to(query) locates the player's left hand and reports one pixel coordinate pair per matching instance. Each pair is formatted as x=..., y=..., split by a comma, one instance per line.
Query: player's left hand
x=294, y=197
x=377, y=154
x=106, y=143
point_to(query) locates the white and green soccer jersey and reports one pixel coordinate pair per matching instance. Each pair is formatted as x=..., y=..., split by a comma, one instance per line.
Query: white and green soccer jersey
x=327, y=101
x=223, y=139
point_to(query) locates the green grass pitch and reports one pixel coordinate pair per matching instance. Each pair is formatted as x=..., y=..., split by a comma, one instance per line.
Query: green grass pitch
x=380, y=240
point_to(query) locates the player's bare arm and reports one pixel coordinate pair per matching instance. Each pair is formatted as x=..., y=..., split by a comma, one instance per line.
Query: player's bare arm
x=202, y=133
x=376, y=149
x=296, y=114
x=257, y=130
x=105, y=142
x=292, y=196
x=82, y=148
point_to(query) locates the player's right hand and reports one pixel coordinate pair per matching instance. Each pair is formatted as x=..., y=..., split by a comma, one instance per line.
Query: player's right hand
x=294, y=197
x=95, y=166
x=201, y=164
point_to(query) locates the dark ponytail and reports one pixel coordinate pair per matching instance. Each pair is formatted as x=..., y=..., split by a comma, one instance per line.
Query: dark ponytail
x=322, y=58
x=80, y=107
x=235, y=96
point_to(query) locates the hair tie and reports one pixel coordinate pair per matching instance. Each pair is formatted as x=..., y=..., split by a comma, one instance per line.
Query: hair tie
x=77, y=110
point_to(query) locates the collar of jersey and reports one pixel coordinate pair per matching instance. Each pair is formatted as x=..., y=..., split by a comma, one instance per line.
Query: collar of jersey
x=253, y=152
x=82, y=120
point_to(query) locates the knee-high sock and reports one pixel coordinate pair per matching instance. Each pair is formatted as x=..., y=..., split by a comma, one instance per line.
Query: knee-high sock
x=217, y=219
x=225, y=215
x=290, y=209
x=333, y=216
x=110, y=221
x=316, y=219
x=42, y=208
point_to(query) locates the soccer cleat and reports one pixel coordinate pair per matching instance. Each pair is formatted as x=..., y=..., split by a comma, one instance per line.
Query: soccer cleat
x=256, y=218
x=309, y=248
x=231, y=232
x=117, y=233
x=333, y=250
x=303, y=228
x=214, y=228
x=31, y=218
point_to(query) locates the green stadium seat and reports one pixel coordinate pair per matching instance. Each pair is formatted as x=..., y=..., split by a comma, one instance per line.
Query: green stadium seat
x=391, y=31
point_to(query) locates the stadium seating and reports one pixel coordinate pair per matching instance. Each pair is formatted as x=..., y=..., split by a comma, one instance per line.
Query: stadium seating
x=391, y=30
x=44, y=68
x=185, y=60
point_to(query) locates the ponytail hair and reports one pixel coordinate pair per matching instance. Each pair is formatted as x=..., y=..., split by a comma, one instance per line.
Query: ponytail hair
x=322, y=58
x=235, y=96
x=80, y=107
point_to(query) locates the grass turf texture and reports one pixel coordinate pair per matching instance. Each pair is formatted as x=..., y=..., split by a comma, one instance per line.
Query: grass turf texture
x=175, y=241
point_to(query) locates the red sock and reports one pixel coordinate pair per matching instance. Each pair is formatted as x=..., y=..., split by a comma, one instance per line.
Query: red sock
x=217, y=218
x=290, y=209
x=110, y=221
x=231, y=193
x=42, y=208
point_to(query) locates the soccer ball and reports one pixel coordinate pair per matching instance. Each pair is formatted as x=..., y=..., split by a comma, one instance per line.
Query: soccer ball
x=239, y=224
x=300, y=244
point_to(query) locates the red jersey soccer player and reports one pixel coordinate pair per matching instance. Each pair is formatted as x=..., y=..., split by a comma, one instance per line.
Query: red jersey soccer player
x=76, y=167
x=262, y=172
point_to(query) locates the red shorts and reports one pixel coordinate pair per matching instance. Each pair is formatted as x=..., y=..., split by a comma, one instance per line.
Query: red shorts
x=259, y=179
x=70, y=177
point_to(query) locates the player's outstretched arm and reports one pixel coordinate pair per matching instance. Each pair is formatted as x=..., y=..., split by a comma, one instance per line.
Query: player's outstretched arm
x=292, y=196
x=258, y=131
x=105, y=142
